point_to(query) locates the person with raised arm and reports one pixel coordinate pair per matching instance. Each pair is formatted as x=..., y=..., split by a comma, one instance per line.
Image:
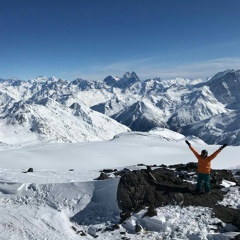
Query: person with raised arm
x=204, y=167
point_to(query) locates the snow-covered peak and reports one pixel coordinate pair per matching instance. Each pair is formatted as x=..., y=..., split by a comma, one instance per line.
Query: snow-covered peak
x=110, y=80
x=127, y=80
x=226, y=87
x=223, y=73
x=130, y=75
x=172, y=103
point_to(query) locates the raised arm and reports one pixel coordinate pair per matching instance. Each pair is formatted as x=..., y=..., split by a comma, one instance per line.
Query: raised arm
x=211, y=157
x=192, y=149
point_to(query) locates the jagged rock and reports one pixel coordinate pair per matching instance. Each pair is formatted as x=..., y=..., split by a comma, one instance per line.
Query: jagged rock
x=217, y=177
x=112, y=227
x=236, y=220
x=121, y=172
x=29, y=170
x=151, y=212
x=80, y=232
x=237, y=237
x=163, y=166
x=179, y=198
x=192, y=166
x=75, y=106
x=138, y=189
x=124, y=215
x=92, y=231
x=143, y=188
x=102, y=176
x=110, y=81
x=138, y=228
x=108, y=170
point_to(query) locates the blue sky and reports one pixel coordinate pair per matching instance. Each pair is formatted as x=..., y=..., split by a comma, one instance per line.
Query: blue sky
x=92, y=39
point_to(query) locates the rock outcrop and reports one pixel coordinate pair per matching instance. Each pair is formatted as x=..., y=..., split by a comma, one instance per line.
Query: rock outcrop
x=173, y=185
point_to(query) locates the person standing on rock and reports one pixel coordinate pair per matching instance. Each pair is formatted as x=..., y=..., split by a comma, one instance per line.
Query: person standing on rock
x=204, y=167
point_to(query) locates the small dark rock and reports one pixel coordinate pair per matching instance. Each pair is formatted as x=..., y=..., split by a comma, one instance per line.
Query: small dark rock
x=81, y=233
x=151, y=212
x=75, y=229
x=236, y=220
x=109, y=170
x=124, y=216
x=179, y=198
x=217, y=176
x=163, y=166
x=102, y=176
x=237, y=237
x=122, y=172
x=30, y=170
x=112, y=227
x=192, y=166
x=138, y=228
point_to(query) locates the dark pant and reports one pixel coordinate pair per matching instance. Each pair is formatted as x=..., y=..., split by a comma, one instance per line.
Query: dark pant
x=206, y=179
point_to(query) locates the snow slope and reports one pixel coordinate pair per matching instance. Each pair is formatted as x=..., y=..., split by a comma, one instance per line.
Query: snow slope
x=60, y=199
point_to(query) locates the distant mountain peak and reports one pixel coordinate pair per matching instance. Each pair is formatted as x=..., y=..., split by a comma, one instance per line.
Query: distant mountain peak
x=130, y=75
x=110, y=80
x=224, y=73
x=82, y=110
x=127, y=80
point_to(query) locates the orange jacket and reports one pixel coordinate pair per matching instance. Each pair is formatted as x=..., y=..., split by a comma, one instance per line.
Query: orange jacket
x=204, y=164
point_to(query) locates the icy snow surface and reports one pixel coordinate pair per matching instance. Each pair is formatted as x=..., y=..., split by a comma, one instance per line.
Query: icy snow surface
x=60, y=199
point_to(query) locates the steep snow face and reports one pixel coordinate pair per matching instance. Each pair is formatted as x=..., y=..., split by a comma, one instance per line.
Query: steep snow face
x=16, y=89
x=221, y=128
x=127, y=80
x=55, y=122
x=109, y=107
x=5, y=99
x=141, y=116
x=226, y=87
x=110, y=80
x=197, y=104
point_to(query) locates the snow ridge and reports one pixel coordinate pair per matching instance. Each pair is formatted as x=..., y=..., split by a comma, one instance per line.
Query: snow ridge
x=42, y=107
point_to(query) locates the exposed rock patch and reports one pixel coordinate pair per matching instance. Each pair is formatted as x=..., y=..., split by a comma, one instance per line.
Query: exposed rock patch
x=174, y=185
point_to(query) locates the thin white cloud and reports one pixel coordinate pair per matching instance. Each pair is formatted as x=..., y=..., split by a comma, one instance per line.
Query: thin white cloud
x=151, y=67
x=202, y=69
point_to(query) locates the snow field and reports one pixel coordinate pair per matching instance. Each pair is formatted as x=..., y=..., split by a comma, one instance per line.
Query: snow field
x=57, y=204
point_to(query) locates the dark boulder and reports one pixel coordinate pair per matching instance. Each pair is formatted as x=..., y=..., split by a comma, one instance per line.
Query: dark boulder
x=108, y=170
x=102, y=176
x=236, y=219
x=147, y=188
x=121, y=172
x=237, y=237
x=151, y=212
x=29, y=170
x=192, y=166
x=141, y=188
x=217, y=176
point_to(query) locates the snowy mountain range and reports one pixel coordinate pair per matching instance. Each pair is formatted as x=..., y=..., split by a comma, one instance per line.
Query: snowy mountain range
x=57, y=110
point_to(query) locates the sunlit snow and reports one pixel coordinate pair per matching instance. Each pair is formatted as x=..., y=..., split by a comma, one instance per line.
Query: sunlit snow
x=60, y=199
